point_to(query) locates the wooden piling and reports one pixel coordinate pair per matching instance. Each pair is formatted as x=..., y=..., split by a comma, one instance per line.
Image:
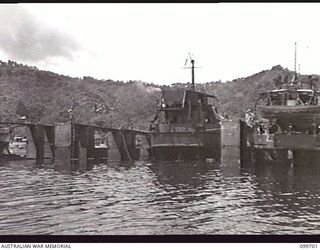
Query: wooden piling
x=49, y=132
x=37, y=132
x=246, y=152
x=90, y=144
x=81, y=144
x=230, y=148
x=62, y=146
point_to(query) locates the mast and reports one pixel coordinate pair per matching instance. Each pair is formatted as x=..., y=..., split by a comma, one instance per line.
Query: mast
x=192, y=75
x=193, y=87
x=295, y=59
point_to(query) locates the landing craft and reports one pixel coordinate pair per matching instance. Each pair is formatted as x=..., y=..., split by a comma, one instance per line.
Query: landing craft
x=186, y=126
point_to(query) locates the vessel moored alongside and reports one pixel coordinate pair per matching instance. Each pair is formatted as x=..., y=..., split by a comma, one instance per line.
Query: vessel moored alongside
x=186, y=126
x=285, y=124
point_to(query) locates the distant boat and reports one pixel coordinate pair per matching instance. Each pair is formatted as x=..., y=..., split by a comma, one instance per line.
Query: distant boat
x=18, y=146
x=11, y=148
x=100, y=141
x=101, y=147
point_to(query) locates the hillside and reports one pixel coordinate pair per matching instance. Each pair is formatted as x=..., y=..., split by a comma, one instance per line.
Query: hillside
x=45, y=97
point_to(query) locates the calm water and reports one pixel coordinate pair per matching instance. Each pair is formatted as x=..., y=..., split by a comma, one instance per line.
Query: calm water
x=160, y=198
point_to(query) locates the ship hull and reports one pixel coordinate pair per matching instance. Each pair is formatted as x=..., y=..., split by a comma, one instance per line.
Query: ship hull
x=186, y=146
x=288, y=111
x=281, y=157
x=170, y=153
x=280, y=149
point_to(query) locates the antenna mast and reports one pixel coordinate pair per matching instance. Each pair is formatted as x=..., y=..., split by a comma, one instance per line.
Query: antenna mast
x=295, y=58
x=192, y=75
x=192, y=71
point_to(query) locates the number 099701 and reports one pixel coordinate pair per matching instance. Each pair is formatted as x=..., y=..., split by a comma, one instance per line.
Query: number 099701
x=308, y=246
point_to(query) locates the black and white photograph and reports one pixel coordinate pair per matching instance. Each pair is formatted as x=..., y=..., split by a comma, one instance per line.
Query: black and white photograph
x=160, y=119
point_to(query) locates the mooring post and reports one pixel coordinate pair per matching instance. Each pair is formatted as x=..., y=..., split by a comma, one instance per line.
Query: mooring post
x=82, y=145
x=90, y=144
x=230, y=148
x=62, y=146
x=37, y=132
x=244, y=148
x=73, y=146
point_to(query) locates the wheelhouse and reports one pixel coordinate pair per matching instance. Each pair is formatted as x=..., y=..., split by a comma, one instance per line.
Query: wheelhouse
x=184, y=106
x=289, y=97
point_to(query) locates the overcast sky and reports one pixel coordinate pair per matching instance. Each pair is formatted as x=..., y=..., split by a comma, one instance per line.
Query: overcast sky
x=150, y=42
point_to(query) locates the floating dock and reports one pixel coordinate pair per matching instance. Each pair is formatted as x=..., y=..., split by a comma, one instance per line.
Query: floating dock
x=73, y=145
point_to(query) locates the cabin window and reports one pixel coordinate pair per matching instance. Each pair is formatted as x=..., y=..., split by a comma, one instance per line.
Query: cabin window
x=18, y=139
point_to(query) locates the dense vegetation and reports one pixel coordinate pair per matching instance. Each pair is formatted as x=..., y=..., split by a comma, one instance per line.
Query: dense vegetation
x=46, y=97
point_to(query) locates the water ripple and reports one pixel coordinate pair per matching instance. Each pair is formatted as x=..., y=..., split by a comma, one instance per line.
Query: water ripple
x=157, y=198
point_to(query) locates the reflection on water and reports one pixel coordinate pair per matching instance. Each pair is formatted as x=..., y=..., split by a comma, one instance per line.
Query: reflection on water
x=160, y=198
